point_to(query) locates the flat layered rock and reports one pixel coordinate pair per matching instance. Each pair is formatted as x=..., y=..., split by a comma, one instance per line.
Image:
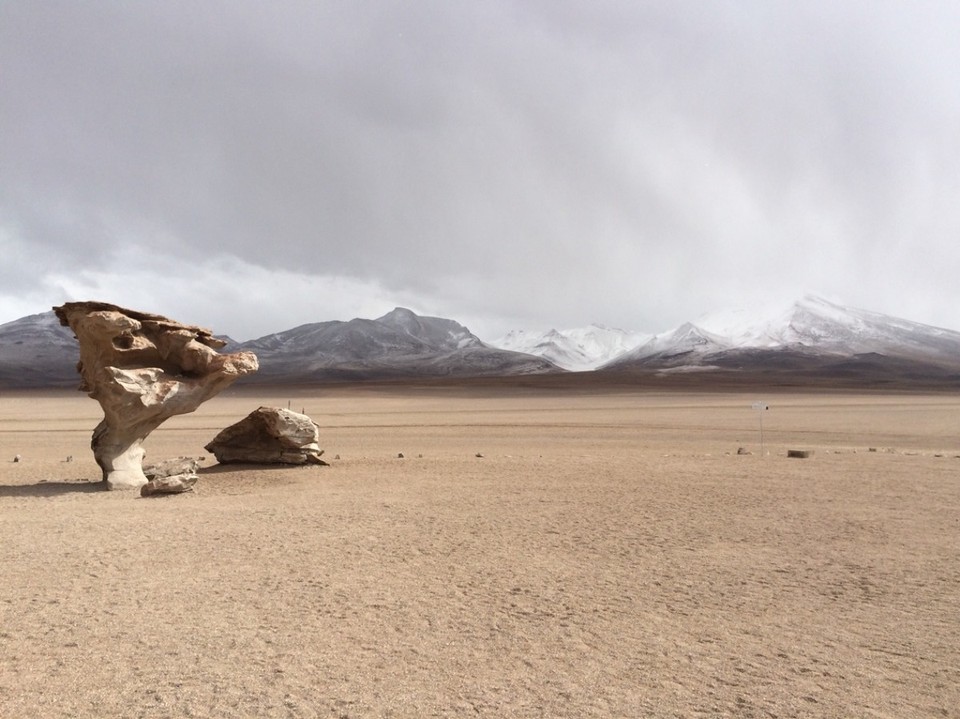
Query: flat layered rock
x=172, y=467
x=176, y=484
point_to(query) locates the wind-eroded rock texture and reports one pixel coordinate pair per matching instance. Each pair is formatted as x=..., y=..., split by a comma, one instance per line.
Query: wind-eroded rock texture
x=269, y=435
x=143, y=369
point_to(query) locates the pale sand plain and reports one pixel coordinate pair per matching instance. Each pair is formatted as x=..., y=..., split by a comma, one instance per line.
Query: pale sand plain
x=609, y=555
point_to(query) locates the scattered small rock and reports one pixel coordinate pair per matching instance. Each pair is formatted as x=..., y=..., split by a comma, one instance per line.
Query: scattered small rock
x=16, y=458
x=478, y=454
x=743, y=450
x=400, y=455
x=336, y=456
x=871, y=449
x=800, y=453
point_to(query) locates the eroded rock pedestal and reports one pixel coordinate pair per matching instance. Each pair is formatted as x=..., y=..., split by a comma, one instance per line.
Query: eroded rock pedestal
x=269, y=435
x=143, y=369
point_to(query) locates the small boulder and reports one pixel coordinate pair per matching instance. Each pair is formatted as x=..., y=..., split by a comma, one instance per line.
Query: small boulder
x=172, y=467
x=169, y=485
x=269, y=435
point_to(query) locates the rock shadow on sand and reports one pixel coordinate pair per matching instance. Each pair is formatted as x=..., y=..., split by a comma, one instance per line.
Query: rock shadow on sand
x=237, y=467
x=45, y=488
x=249, y=469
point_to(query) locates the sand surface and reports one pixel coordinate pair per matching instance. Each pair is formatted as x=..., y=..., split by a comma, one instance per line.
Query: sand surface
x=609, y=555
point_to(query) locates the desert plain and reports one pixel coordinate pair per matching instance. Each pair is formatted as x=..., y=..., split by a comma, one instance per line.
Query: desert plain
x=535, y=552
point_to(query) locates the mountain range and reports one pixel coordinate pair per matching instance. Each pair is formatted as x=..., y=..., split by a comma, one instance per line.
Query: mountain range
x=809, y=337
x=36, y=351
x=809, y=341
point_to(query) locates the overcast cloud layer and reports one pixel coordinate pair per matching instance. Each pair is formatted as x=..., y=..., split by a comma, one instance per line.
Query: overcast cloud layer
x=253, y=166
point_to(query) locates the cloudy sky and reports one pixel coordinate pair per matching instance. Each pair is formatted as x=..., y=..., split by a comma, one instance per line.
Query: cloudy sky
x=252, y=166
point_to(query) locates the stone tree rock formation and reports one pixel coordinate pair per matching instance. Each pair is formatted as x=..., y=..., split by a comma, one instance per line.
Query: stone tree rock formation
x=269, y=435
x=143, y=369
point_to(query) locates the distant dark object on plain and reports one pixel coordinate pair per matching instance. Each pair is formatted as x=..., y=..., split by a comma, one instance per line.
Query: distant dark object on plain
x=800, y=453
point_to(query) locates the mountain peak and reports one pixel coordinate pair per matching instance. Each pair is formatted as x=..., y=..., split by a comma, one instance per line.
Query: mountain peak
x=398, y=313
x=399, y=344
x=435, y=331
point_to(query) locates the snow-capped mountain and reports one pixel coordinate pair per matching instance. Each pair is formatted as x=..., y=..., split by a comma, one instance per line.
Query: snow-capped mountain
x=827, y=326
x=811, y=339
x=579, y=349
x=807, y=330
x=685, y=343
x=399, y=344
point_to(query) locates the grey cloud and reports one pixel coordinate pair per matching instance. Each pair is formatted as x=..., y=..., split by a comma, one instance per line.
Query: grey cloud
x=624, y=162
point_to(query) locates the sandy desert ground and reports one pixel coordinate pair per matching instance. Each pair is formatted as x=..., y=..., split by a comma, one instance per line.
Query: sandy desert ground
x=608, y=555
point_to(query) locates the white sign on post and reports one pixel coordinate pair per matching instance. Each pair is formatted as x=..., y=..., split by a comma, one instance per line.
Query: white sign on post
x=761, y=407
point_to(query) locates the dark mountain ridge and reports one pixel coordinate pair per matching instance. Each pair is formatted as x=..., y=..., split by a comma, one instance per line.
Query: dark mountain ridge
x=399, y=344
x=814, y=343
x=36, y=351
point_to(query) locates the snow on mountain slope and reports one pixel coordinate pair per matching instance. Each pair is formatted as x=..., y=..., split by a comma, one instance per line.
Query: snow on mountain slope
x=812, y=326
x=684, y=345
x=816, y=323
x=437, y=331
x=579, y=349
